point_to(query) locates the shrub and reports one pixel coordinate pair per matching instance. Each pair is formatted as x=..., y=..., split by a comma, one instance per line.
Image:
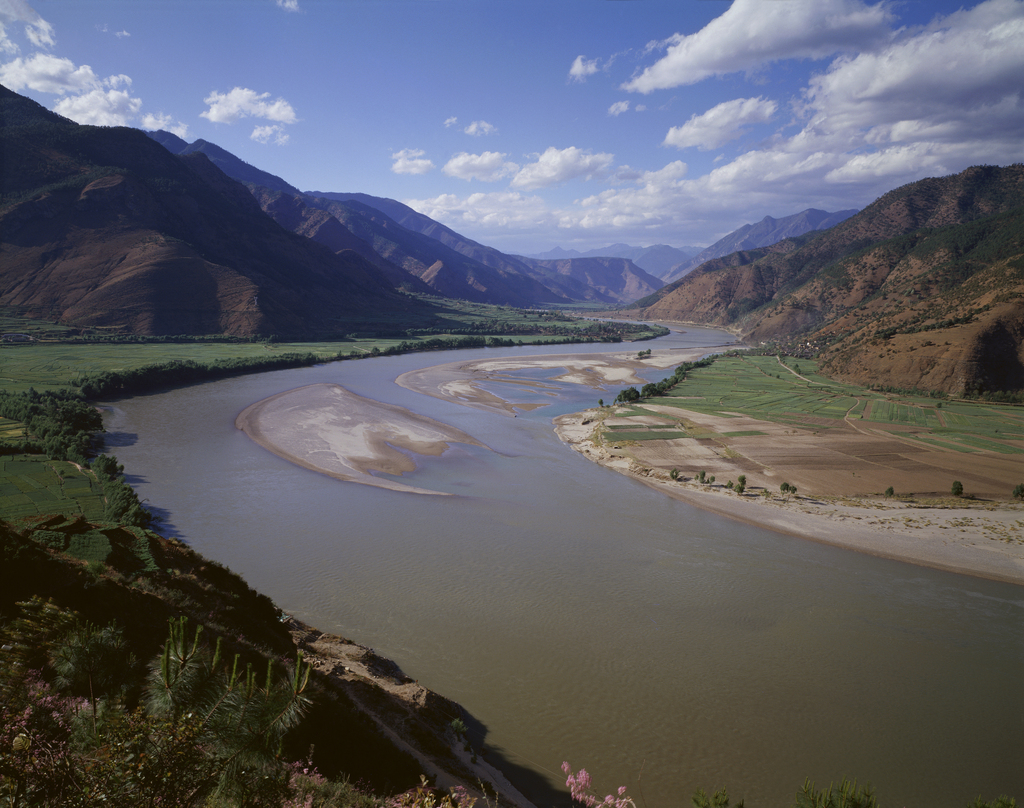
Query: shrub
x=957, y=489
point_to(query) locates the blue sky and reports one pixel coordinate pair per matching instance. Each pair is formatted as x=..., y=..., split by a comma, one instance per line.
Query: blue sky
x=526, y=125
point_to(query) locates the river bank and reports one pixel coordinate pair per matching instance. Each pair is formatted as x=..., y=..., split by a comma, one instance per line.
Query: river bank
x=975, y=538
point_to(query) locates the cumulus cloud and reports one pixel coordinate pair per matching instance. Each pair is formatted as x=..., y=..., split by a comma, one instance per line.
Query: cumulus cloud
x=488, y=167
x=721, y=123
x=264, y=134
x=618, y=108
x=556, y=166
x=154, y=121
x=753, y=33
x=480, y=128
x=492, y=213
x=581, y=68
x=242, y=102
x=288, y=5
x=411, y=161
x=46, y=73
x=957, y=79
x=449, y=122
x=37, y=30
x=99, y=107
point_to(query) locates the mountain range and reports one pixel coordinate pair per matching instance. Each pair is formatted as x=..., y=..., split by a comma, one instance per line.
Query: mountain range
x=924, y=288
x=656, y=259
x=766, y=232
x=106, y=227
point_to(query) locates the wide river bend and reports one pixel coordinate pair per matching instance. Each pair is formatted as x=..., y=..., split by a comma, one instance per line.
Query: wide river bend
x=579, y=615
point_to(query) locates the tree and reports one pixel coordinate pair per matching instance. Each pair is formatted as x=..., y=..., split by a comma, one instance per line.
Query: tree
x=958, y=488
x=238, y=718
x=889, y=492
x=93, y=662
x=674, y=474
x=1018, y=492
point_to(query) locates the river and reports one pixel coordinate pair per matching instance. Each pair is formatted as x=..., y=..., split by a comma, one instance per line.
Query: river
x=578, y=615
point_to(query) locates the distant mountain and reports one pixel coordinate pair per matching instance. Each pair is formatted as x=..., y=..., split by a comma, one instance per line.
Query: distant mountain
x=613, y=281
x=924, y=288
x=103, y=227
x=419, y=223
x=657, y=259
x=751, y=236
x=445, y=270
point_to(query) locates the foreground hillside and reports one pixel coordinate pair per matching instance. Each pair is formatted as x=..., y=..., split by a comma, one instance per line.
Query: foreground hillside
x=103, y=227
x=924, y=288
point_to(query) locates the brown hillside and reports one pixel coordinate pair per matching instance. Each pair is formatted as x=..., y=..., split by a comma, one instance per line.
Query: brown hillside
x=103, y=227
x=940, y=258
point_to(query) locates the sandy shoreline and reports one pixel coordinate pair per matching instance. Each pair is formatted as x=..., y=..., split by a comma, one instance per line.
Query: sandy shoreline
x=979, y=539
x=328, y=429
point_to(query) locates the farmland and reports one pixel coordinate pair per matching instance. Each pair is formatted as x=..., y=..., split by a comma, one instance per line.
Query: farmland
x=777, y=420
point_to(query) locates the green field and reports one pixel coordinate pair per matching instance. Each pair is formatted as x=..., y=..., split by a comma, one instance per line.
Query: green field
x=55, y=357
x=31, y=485
x=762, y=387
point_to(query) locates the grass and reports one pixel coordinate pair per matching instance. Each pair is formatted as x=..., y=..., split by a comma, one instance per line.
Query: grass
x=33, y=485
x=53, y=358
x=761, y=387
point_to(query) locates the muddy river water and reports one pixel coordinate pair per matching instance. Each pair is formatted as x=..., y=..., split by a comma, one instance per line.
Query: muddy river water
x=578, y=615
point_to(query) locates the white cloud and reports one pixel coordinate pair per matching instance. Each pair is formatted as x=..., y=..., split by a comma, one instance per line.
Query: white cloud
x=410, y=161
x=121, y=34
x=45, y=73
x=288, y=5
x=754, y=33
x=100, y=107
x=488, y=212
x=958, y=79
x=556, y=166
x=449, y=122
x=37, y=30
x=154, y=121
x=581, y=68
x=264, y=134
x=488, y=167
x=242, y=102
x=721, y=123
x=478, y=128
x=618, y=108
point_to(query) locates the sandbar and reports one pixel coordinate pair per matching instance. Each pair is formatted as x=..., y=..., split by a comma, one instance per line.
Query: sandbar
x=326, y=428
x=462, y=382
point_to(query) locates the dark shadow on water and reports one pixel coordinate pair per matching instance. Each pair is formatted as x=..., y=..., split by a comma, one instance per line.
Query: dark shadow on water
x=528, y=782
x=162, y=522
x=115, y=440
